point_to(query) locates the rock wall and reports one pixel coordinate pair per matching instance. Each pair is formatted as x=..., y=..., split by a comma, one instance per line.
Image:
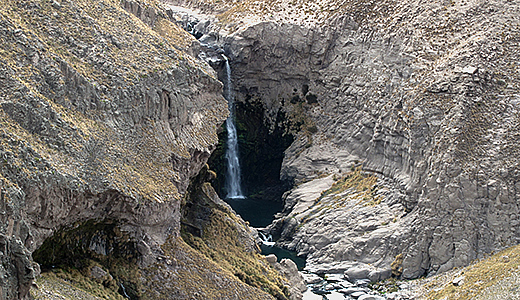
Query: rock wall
x=421, y=96
x=104, y=119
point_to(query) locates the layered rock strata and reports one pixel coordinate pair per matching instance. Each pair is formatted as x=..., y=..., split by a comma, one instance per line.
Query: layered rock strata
x=105, y=118
x=421, y=97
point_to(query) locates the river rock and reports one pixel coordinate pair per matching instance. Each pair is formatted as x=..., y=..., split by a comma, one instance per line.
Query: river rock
x=362, y=282
x=271, y=258
x=371, y=297
x=346, y=284
x=380, y=274
x=334, y=277
x=356, y=295
x=357, y=272
x=352, y=290
x=311, y=278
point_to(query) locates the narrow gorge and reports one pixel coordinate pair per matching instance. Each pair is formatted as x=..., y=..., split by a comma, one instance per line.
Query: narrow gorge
x=147, y=146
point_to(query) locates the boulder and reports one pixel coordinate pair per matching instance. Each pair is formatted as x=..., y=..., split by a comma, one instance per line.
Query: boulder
x=458, y=281
x=311, y=278
x=371, y=297
x=97, y=272
x=356, y=295
x=271, y=258
x=357, y=272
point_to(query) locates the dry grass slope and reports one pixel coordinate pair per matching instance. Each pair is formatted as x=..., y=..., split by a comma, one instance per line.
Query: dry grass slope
x=495, y=277
x=60, y=285
x=219, y=244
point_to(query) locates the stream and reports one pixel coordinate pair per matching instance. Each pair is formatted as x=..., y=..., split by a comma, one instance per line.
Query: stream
x=260, y=213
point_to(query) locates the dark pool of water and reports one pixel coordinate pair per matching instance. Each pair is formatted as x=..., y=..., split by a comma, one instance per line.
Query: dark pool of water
x=259, y=213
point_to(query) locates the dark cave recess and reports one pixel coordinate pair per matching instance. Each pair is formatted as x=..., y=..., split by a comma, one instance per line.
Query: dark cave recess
x=261, y=155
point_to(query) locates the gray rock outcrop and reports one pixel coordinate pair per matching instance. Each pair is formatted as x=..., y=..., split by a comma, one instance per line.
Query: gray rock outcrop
x=422, y=97
x=289, y=270
x=104, y=120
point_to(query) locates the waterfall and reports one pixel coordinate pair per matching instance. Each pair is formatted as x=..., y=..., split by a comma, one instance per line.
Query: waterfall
x=233, y=180
x=266, y=240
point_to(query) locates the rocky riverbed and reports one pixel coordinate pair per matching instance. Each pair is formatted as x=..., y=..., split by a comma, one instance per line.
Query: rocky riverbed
x=340, y=286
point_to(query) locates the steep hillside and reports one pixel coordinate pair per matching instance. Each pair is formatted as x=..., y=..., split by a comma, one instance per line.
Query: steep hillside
x=495, y=277
x=104, y=120
x=407, y=149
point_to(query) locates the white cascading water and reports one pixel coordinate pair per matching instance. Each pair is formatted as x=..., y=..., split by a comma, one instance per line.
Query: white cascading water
x=266, y=239
x=233, y=184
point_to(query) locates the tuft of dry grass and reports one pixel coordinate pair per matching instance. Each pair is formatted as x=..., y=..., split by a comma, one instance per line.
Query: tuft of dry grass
x=490, y=274
x=363, y=187
x=71, y=285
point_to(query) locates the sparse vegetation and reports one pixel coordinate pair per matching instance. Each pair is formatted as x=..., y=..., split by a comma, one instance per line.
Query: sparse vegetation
x=494, y=272
x=397, y=268
x=71, y=285
x=221, y=242
x=363, y=187
x=193, y=273
x=112, y=54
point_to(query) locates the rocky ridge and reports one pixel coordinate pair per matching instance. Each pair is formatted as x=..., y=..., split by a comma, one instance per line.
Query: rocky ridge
x=421, y=96
x=105, y=119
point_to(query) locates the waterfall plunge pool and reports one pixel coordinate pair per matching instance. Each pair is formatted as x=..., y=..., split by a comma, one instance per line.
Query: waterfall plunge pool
x=263, y=150
x=283, y=253
x=258, y=212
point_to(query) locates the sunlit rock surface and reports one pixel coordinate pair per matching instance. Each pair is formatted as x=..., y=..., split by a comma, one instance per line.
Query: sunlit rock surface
x=422, y=97
x=105, y=118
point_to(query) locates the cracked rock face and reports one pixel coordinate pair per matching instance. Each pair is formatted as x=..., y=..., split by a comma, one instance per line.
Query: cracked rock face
x=423, y=97
x=91, y=130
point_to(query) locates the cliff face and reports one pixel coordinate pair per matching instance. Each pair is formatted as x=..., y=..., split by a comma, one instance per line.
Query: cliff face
x=405, y=160
x=104, y=117
x=407, y=153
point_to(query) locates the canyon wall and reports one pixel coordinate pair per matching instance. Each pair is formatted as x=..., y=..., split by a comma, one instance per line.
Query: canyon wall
x=406, y=120
x=404, y=162
x=105, y=119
